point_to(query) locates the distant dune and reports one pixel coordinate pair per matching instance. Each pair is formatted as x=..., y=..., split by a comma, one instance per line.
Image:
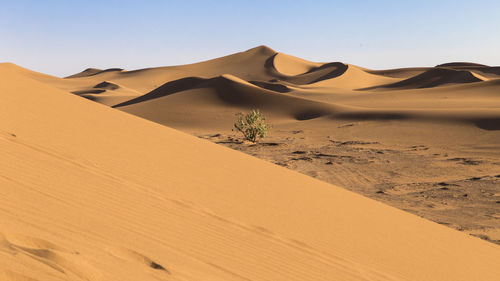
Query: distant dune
x=283, y=77
x=461, y=65
x=87, y=72
x=435, y=77
x=94, y=71
x=91, y=192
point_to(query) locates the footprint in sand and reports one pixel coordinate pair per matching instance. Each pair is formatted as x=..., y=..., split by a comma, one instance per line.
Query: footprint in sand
x=65, y=262
x=135, y=257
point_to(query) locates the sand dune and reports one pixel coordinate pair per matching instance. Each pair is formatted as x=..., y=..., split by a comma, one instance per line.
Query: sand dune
x=258, y=64
x=146, y=202
x=301, y=72
x=318, y=74
x=354, y=78
x=435, y=77
x=198, y=100
x=94, y=71
x=284, y=77
x=211, y=103
x=249, y=65
x=264, y=65
x=87, y=72
x=461, y=65
x=107, y=93
x=487, y=71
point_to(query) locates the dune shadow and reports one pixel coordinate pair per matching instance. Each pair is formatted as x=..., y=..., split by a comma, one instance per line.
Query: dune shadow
x=488, y=124
x=372, y=116
x=338, y=69
x=89, y=91
x=276, y=87
x=107, y=85
x=309, y=114
x=166, y=89
x=432, y=78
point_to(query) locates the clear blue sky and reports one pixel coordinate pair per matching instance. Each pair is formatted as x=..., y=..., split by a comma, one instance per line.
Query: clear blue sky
x=62, y=37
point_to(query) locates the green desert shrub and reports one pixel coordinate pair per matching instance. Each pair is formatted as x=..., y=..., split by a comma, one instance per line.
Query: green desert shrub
x=252, y=125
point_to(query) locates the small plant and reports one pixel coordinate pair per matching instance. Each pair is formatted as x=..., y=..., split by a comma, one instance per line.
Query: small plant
x=252, y=125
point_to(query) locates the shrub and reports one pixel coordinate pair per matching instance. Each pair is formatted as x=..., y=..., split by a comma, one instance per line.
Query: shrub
x=252, y=125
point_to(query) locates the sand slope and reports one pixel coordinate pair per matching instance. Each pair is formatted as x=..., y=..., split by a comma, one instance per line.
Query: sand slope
x=92, y=193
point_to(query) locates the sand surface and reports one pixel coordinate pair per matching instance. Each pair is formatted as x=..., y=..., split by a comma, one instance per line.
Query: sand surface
x=90, y=192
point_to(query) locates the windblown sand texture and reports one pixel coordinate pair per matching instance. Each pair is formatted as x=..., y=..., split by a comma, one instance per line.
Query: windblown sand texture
x=91, y=192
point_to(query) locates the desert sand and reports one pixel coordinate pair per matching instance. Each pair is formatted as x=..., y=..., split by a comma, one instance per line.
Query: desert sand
x=423, y=139
x=108, y=187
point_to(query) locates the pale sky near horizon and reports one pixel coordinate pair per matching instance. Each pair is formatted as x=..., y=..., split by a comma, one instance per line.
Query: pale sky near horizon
x=62, y=37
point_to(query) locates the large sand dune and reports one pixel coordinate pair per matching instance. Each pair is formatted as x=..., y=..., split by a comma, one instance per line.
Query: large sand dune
x=90, y=192
x=347, y=91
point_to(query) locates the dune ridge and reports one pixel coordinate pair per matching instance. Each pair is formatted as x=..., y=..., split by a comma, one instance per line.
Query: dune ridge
x=87, y=72
x=461, y=65
x=292, y=66
x=435, y=77
x=94, y=71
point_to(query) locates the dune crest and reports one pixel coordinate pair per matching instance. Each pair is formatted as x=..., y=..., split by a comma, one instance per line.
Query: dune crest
x=435, y=77
x=87, y=72
x=292, y=66
x=93, y=71
x=461, y=65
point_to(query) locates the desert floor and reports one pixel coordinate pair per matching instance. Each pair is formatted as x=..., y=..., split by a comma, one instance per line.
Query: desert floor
x=453, y=187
